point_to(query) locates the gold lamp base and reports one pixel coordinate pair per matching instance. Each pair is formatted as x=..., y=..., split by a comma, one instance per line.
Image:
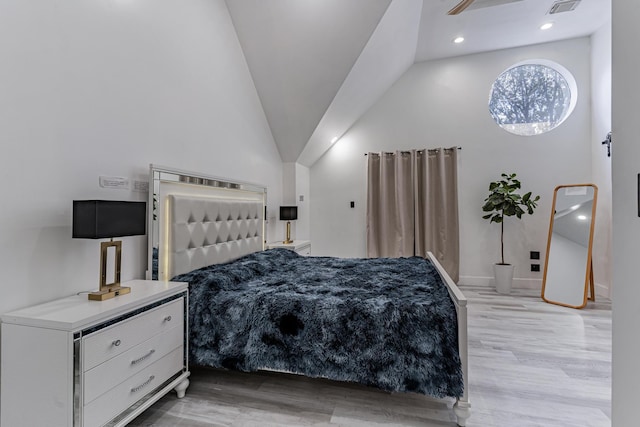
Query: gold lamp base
x=288, y=238
x=109, y=290
x=109, y=293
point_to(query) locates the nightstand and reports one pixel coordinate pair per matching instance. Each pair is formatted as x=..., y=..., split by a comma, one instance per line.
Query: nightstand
x=75, y=362
x=302, y=247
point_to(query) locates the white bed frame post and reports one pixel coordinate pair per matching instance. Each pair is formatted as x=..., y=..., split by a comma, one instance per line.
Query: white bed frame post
x=462, y=407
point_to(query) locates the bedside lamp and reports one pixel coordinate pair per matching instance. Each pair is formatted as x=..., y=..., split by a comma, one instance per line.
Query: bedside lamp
x=100, y=219
x=288, y=213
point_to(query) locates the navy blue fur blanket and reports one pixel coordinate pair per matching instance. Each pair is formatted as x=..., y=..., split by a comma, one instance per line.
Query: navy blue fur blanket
x=386, y=323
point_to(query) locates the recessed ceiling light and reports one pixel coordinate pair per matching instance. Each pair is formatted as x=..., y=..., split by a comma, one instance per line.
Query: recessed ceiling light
x=458, y=40
x=334, y=139
x=546, y=26
x=582, y=217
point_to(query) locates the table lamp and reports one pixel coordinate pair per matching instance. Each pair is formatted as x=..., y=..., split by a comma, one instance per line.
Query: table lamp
x=100, y=219
x=288, y=213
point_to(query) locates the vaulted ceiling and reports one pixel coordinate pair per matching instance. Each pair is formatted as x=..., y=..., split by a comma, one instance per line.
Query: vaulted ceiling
x=318, y=65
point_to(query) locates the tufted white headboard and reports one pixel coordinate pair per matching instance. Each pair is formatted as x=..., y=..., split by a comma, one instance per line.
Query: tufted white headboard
x=198, y=220
x=206, y=231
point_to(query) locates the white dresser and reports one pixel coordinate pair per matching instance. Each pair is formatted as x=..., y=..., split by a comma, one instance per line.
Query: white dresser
x=75, y=362
x=302, y=247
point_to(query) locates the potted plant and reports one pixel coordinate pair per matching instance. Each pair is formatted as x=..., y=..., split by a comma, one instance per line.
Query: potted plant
x=505, y=200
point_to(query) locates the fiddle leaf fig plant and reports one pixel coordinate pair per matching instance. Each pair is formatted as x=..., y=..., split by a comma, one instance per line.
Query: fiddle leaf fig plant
x=505, y=200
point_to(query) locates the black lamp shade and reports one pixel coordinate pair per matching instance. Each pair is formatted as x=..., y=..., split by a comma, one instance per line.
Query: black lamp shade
x=99, y=219
x=288, y=213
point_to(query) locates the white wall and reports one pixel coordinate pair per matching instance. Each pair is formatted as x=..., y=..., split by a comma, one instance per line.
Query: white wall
x=626, y=224
x=105, y=87
x=295, y=183
x=444, y=103
x=601, y=164
x=288, y=183
x=304, y=205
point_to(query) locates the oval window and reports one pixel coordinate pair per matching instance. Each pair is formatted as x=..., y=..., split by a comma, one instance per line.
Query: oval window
x=532, y=98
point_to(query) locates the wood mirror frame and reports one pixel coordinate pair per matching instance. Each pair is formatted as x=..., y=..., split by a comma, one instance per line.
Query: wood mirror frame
x=568, y=269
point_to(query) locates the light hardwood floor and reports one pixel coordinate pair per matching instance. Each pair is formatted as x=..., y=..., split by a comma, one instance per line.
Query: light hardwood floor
x=531, y=364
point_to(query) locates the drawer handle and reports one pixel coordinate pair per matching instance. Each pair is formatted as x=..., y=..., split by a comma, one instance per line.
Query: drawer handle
x=134, y=362
x=116, y=343
x=141, y=386
x=167, y=319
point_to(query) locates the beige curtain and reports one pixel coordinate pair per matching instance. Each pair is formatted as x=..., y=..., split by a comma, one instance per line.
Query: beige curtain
x=412, y=205
x=390, y=223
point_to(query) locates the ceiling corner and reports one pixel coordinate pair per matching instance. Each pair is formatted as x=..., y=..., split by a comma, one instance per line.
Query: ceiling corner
x=388, y=54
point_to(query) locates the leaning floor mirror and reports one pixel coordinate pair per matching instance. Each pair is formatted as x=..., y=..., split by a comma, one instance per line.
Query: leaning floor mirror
x=568, y=270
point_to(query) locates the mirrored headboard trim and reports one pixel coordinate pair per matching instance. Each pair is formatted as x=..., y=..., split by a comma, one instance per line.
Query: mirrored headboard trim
x=165, y=182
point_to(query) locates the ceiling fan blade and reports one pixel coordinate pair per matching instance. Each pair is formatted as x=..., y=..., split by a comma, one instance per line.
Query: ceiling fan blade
x=460, y=7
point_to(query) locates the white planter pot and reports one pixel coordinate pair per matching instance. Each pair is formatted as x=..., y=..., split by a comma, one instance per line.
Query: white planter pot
x=503, y=275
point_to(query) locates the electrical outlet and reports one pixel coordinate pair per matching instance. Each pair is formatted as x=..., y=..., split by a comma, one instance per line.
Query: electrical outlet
x=141, y=186
x=534, y=255
x=535, y=267
x=352, y=204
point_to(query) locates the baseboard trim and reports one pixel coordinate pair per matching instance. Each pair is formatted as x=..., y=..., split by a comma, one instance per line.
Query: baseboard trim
x=602, y=290
x=518, y=282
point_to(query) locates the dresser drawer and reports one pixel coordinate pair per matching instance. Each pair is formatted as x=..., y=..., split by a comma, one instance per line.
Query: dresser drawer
x=117, y=339
x=107, y=375
x=119, y=398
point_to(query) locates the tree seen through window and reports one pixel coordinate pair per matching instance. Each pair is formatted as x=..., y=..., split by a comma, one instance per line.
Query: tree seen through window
x=530, y=99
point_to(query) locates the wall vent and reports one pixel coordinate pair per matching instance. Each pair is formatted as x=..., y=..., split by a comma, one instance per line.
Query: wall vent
x=479, y=4
x=564, y=6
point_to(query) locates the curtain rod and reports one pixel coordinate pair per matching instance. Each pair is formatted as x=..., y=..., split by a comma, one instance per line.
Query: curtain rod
x=428, y=149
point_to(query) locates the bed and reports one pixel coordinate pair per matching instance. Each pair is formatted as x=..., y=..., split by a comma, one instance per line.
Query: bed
x=394, y=324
